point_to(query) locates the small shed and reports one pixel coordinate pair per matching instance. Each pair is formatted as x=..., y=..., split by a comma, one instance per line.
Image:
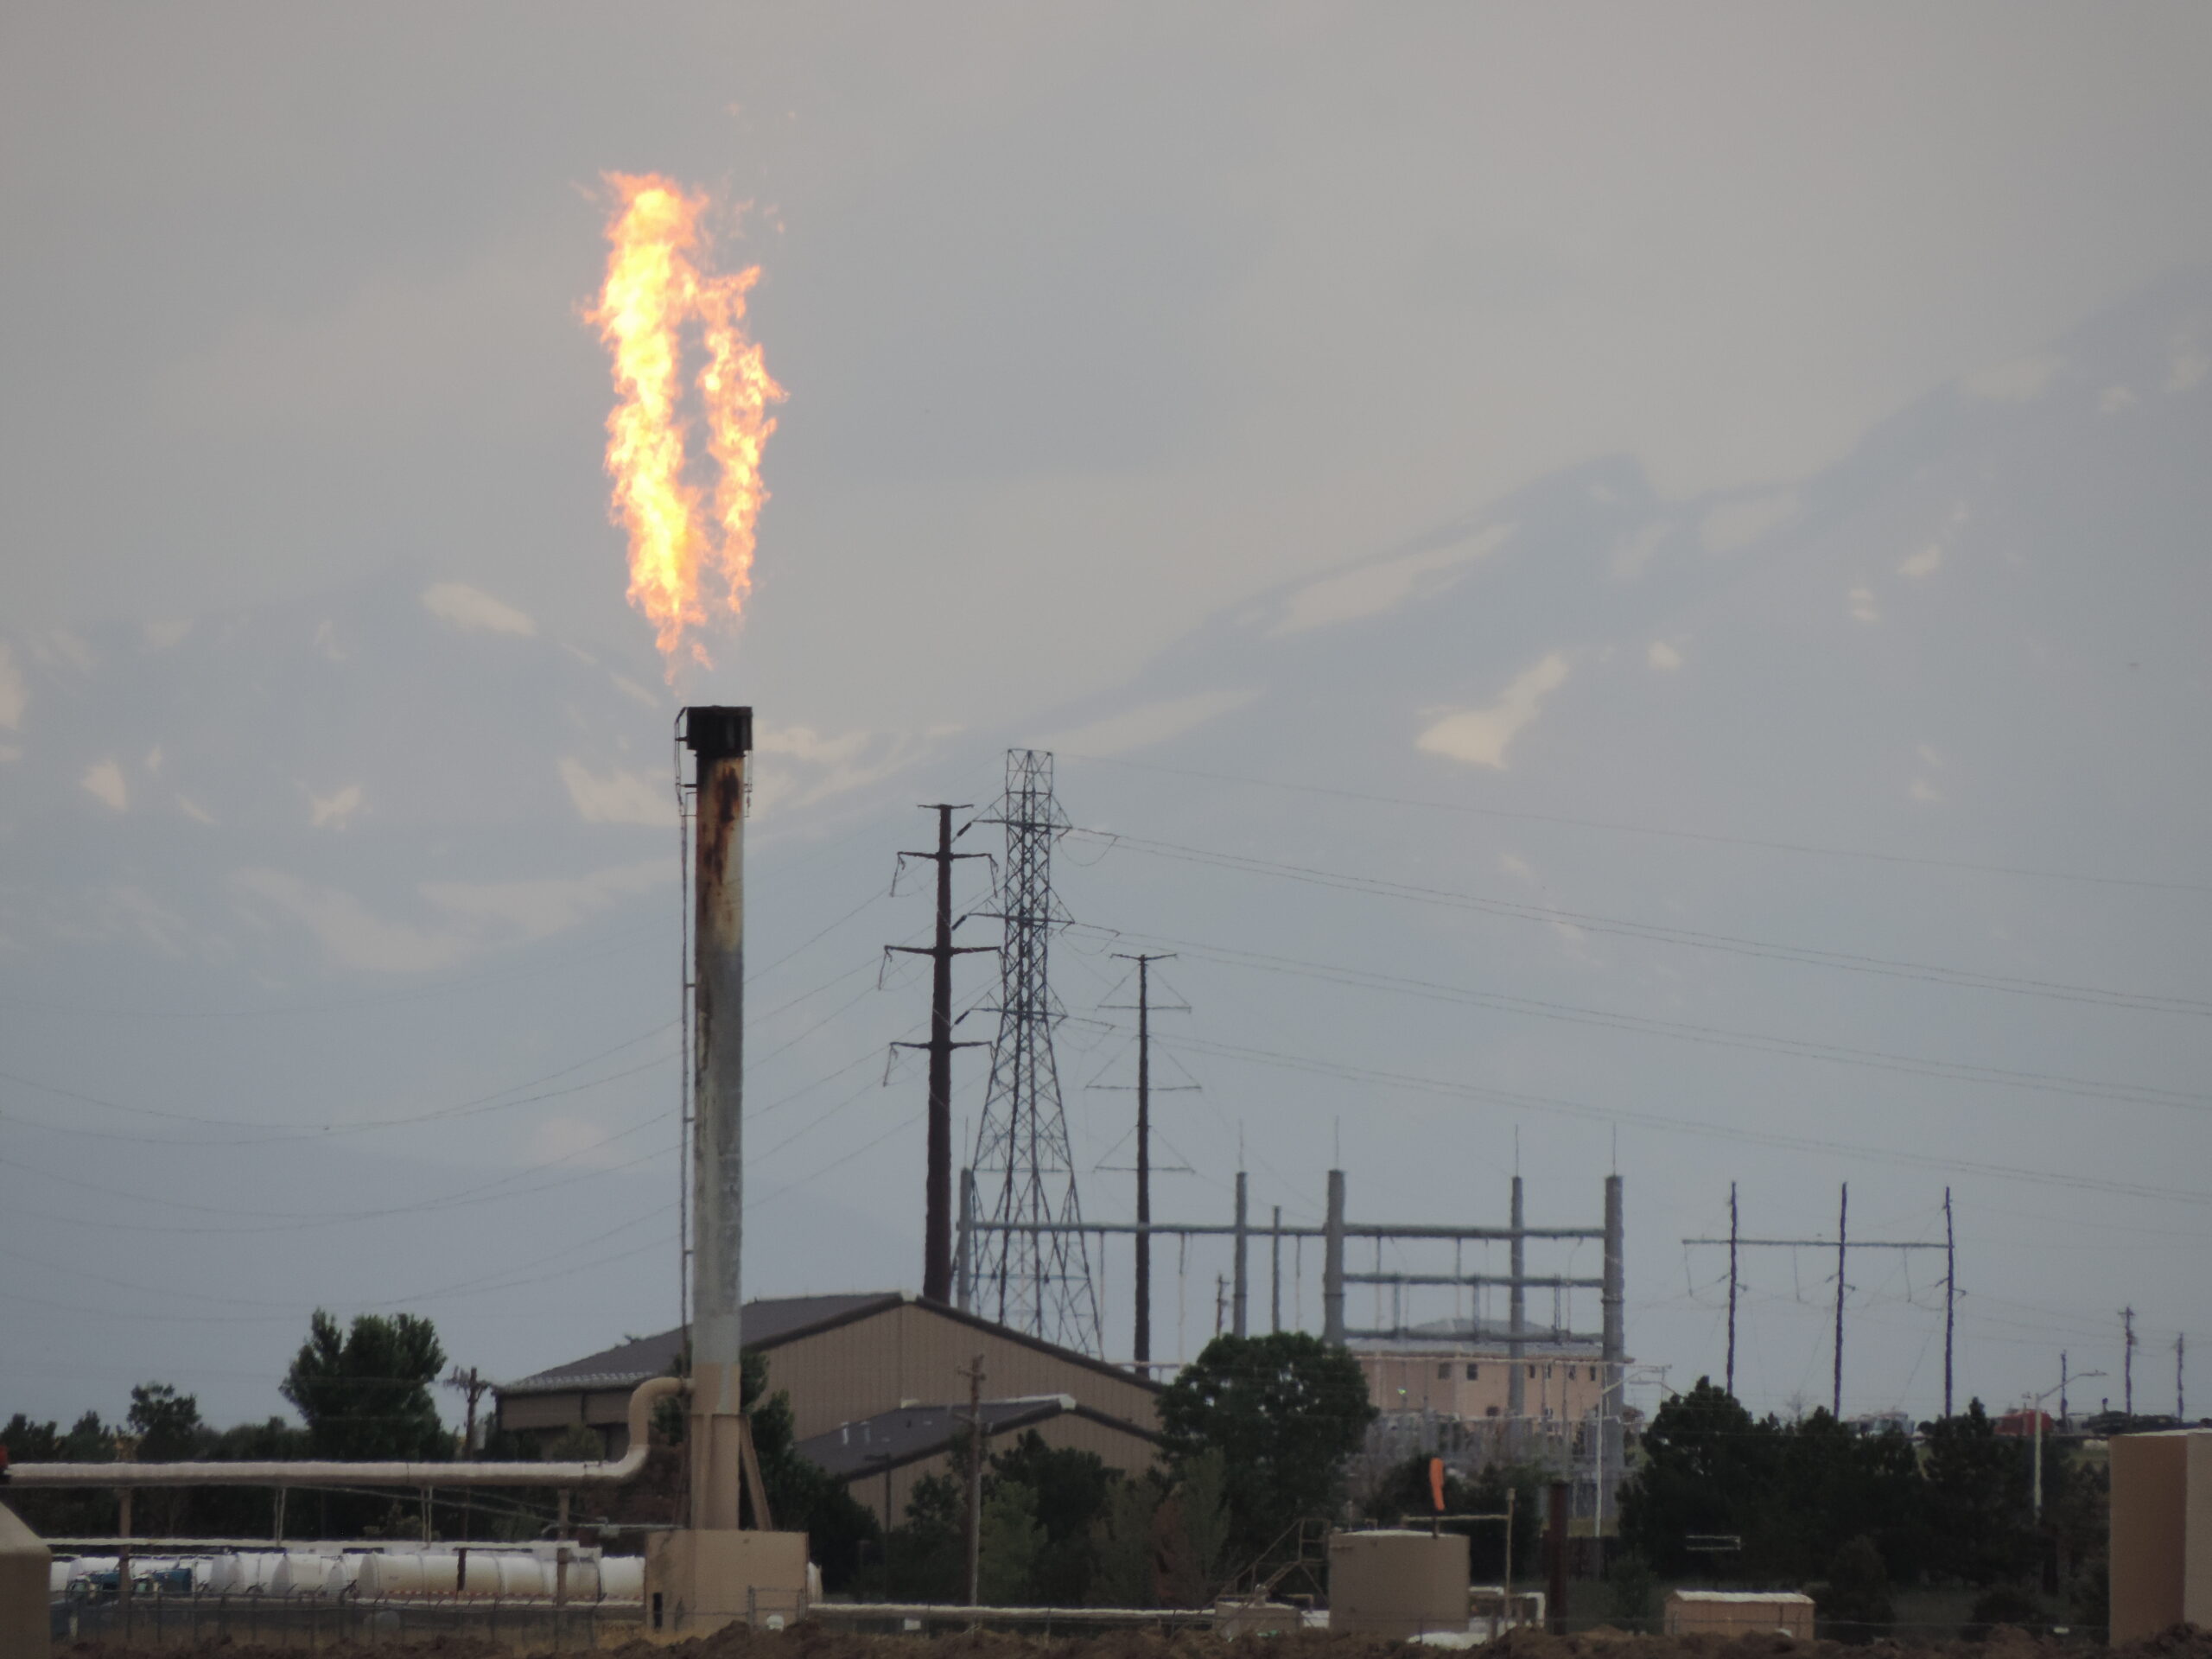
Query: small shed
x=1739, y=1612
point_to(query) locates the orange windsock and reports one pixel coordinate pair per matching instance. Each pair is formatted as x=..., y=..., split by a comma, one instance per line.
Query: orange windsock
x=690, y=554
x=1436, y=1484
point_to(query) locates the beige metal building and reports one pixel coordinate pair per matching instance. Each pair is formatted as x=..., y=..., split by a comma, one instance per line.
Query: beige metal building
x=2161, y=1543
x=1469, y=1382
x=880, y=1458
x=849, y=1359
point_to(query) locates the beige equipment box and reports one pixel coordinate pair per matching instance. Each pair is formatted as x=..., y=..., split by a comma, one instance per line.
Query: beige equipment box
x=1397, y=1583
x=1739, y=1612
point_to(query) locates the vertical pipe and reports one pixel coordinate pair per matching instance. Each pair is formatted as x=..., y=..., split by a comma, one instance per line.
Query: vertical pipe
x=1275, y=1273
x=1241, y=1291
x=719, y=739
x=1517, y=1316
x=1332, y=1264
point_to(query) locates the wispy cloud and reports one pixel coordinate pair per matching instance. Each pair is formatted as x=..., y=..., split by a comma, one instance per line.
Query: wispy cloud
x=1481, y=736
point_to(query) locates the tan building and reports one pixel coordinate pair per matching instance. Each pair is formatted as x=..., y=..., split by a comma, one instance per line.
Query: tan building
x=880, y=1458
x=856, y=1359
x=1467, y=1384
x=2161, y=1544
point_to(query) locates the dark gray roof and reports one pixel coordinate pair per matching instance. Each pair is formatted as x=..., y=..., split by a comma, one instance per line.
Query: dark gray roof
x=893, y=1439
x=766, y=1322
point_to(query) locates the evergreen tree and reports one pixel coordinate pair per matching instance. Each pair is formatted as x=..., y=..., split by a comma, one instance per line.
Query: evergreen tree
x=1285, y=1411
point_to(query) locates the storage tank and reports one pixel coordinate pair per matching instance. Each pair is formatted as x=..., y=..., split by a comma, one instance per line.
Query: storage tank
x=411, y=1575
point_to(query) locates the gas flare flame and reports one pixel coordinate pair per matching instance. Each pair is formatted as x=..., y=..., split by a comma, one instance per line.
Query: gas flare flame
x=680, y=541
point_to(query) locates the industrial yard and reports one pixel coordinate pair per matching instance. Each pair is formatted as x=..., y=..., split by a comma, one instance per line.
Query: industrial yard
x=1106, y=831
x=814, y=1643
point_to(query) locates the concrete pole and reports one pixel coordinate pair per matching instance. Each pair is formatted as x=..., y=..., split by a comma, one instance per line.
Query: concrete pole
x=1517, y=1392
x=1241, y=1293
x=718, y=739
x=1275, y=1274
x=1332, y=1264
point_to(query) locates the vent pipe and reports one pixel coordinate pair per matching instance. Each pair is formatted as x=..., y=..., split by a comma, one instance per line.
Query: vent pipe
x=719, y=740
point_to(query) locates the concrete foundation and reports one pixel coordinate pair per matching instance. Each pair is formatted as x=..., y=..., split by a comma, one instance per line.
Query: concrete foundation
x=1397, y=1584
x=25, y=1565
x=700, y=1581
x=2161, y=1544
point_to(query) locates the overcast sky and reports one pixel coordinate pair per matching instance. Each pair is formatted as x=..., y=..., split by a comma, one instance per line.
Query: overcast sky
x=1098, y=323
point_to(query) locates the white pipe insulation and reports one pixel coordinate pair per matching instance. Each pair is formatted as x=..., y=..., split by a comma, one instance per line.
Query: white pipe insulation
x=417, y=1475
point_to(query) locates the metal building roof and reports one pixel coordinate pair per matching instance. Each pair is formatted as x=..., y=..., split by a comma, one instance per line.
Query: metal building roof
x=765, y=1322
x=890, y=1440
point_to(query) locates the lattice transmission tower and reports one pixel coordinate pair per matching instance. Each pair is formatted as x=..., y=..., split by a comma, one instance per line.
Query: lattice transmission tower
x=1032, y=1269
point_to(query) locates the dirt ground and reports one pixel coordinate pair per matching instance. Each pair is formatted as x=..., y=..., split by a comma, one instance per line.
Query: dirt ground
x=812, y=1642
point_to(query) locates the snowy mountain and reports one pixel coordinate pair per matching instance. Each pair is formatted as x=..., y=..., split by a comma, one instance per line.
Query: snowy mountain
x=1849, y=828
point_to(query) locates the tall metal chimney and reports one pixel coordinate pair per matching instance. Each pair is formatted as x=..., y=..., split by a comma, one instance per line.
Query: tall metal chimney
x=719, y=739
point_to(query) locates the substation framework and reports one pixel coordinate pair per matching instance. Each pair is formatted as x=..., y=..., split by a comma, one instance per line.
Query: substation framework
x=1336, y=1231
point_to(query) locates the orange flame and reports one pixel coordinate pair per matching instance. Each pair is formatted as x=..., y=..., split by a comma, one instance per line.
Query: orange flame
x=654, y=287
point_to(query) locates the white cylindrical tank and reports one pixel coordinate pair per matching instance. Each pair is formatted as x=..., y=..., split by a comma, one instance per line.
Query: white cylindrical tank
x=411, y=1575
x=622, y=1577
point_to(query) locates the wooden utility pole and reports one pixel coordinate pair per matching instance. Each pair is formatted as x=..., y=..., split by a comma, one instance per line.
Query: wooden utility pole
x=2127, y=1361
x=1950, y=1295
x=1141, y=1350
x=974, y=1507
x=1842, y=1245
x=1842, y=1226
x=472, y=1389
x=2181, y=1394
x=936, y=1207
x=1731, y=1289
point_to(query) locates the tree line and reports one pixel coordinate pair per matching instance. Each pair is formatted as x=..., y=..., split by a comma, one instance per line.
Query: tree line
x=1720, y=1496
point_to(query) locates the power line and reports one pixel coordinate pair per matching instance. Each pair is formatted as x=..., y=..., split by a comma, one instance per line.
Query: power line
x=1708, y=838
x=1684, y=1031
x=1686, y=1126
x=1847, y=962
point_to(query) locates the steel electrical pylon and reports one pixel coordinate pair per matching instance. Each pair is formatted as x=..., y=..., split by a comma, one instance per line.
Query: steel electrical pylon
x=1030, y=1265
